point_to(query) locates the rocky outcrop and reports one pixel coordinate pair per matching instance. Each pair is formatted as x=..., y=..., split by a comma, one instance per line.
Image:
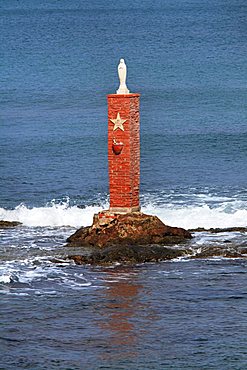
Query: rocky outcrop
x=128, y=254
x=8, y=224
x=127, y=229
x=219, y=251
x=137, y=238
x=154, y=253
x=220, y=230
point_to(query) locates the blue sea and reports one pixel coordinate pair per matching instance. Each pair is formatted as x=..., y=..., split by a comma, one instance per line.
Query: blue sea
x=59, y=58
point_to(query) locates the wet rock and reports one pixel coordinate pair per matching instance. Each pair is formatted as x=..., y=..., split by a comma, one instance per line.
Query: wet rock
x=220, y=230
x=8, y=224
x=128, y=255
x=127, y=230
x=218, y=251
x=243, y=250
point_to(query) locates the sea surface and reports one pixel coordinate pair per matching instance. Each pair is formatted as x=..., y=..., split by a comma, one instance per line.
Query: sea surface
x=187, y=59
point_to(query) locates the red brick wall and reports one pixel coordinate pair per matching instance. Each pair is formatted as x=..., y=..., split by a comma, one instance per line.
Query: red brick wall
x=124, y=168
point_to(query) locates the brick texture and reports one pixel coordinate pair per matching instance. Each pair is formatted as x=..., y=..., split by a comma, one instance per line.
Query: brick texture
x=124, y=168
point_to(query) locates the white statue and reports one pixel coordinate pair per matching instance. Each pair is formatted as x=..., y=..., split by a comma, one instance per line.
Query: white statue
x=122, y=73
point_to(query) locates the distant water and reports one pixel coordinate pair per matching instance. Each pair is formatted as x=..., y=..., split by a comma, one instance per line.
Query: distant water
x=59, y=60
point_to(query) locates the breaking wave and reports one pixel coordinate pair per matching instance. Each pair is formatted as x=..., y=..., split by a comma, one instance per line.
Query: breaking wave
x=202, y=212
x=53, y=214
x=190, y=217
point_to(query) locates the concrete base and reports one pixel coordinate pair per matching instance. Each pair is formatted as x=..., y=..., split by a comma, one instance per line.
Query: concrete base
x=123, y=210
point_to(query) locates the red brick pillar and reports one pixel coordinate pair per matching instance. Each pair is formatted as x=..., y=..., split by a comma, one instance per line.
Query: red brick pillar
x=124, y=152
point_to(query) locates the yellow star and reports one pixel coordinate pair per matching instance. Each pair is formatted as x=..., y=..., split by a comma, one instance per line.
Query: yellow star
x=118, y=122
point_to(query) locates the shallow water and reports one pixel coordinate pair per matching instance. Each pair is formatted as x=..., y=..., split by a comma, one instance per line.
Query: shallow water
x=169, y=315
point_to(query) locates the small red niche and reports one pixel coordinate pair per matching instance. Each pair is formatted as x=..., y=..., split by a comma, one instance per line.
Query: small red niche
x=117, y=146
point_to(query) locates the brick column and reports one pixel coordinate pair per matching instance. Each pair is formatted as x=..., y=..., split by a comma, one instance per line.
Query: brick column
x=124, y=152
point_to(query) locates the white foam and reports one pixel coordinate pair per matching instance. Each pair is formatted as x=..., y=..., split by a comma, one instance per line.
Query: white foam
x=7, y=274
x=51, y=215
x=205, y=216
x=207, y=213
x=5, y=279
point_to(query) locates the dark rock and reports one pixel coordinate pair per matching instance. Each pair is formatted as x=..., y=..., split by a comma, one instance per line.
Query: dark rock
x=127, y=230
x=217, y=251
x=128, y=255
x=220, y=230
x=7, y=224
x=243, y=250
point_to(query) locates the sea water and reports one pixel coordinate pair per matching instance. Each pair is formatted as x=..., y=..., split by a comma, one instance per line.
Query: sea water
x=187, y=59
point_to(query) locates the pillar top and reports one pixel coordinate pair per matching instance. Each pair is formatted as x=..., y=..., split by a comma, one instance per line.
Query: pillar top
x=130, y=95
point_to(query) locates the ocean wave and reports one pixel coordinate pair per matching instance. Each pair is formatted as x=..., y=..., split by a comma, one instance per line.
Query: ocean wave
x=190, y=217
x=52, y=214
x=206, y=213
